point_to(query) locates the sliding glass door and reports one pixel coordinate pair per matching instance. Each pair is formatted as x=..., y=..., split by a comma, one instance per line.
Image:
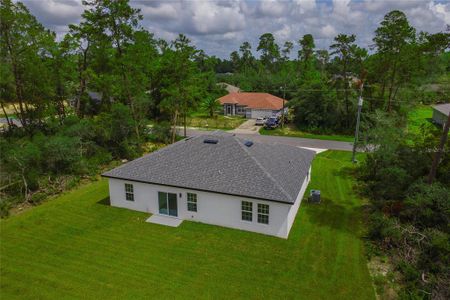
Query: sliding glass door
x=168, y=204
x=172, y=199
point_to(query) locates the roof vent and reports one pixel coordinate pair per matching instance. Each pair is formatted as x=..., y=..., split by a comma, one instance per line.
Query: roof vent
x=248, y=143
x=210, y=141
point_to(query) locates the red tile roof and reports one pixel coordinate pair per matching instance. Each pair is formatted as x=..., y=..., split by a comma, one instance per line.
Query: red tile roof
x=254, y=100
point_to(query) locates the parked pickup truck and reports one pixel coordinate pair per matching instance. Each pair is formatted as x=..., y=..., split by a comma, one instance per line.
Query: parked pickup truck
x=271, y=123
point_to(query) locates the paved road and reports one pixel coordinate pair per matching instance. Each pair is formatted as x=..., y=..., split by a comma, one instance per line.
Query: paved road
x=293, y=141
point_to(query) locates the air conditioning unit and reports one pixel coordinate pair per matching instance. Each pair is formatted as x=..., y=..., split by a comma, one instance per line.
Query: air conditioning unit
x=314, y=196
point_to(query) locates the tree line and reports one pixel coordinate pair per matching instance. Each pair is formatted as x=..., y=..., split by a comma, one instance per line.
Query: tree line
x=76, y=103
x=322, y=84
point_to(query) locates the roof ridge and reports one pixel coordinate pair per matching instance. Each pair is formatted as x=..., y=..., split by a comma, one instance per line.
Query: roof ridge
x=277, y=184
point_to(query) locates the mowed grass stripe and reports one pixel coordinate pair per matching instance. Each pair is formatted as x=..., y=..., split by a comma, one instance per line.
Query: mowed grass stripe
x=75, y=247
x=110, y=256
x=105, y=265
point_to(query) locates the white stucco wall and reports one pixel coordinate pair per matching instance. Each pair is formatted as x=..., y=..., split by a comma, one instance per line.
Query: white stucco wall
x=439, y=117
x=212, y=208
x=294, y=208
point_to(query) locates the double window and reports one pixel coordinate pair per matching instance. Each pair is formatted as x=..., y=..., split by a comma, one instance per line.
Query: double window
x=191, y=202
x=263, y=213
x=247, y=210
x=129, y=192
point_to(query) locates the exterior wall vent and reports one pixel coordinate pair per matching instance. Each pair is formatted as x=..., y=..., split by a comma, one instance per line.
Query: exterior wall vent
x=210, y=141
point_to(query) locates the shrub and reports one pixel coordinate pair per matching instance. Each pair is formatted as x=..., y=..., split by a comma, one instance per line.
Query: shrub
x=161, y=132
x=61, y=154
x=37, y=198
x=427, y=206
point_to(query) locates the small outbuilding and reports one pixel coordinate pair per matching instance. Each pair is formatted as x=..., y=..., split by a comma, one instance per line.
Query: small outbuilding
x=440, y=113
x=217, y=179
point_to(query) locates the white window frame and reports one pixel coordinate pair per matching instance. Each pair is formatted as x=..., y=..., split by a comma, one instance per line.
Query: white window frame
x=247, y=209
x=129, y=192
x=192, y=202
x=263, y=211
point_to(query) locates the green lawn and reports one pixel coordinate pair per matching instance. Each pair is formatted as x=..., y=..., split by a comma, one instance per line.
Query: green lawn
x=420, y=115
x=290, y=130
x=75, y=246
x=202, y=120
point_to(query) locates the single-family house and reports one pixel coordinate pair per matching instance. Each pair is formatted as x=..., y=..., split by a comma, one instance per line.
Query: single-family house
x=252, y=105
x=92, y=99
x=440, y=113
x=217, y=179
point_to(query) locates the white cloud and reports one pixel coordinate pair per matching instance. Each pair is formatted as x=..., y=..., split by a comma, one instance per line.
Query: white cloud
x=164, y=11
x=272, y=8
x=284, y=33
x=220, y=26
x=210, y=18
x=328, y=31
x=344, y=12
x=304, y=6
x=441, y=11
x=55, y=12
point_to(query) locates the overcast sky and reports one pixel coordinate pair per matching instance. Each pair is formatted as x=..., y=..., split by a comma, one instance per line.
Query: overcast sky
x=219, y=27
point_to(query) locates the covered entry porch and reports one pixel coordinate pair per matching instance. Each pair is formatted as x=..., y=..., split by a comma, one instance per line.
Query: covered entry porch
x=232, y=109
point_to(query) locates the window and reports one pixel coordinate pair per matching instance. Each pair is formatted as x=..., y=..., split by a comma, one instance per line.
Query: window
x=129, y=194
x=263, y=213
x=192, y=202
x=247, y=208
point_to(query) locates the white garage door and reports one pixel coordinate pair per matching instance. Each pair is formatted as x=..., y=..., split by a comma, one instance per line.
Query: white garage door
x=261, y=113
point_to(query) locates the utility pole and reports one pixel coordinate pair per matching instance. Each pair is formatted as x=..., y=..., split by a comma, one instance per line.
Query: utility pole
x=358, y=117
x=438, y=154
x=284, y=96
x=184, y=116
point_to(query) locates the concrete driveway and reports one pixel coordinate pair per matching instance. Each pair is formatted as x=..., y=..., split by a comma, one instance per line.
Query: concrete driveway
x=293, y=141
x=248, y=127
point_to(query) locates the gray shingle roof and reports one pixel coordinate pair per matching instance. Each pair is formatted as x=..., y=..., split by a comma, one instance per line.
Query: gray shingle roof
x=443, y=108
x=264, y=171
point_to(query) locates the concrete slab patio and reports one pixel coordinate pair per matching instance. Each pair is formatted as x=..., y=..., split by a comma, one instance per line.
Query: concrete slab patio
x=163, y=220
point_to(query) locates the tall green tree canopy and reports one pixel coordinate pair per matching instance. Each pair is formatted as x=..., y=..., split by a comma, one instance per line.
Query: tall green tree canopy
x=26, y=49
x=306, y=52
x=270, y=51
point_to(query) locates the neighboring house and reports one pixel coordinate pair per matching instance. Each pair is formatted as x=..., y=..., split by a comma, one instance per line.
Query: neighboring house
x=252, y=105
x=217, y=179
x=95, y=98
x=229, y=88
x=4, y=123
x=16, y=122
x=352, y=79
x=440, y=113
